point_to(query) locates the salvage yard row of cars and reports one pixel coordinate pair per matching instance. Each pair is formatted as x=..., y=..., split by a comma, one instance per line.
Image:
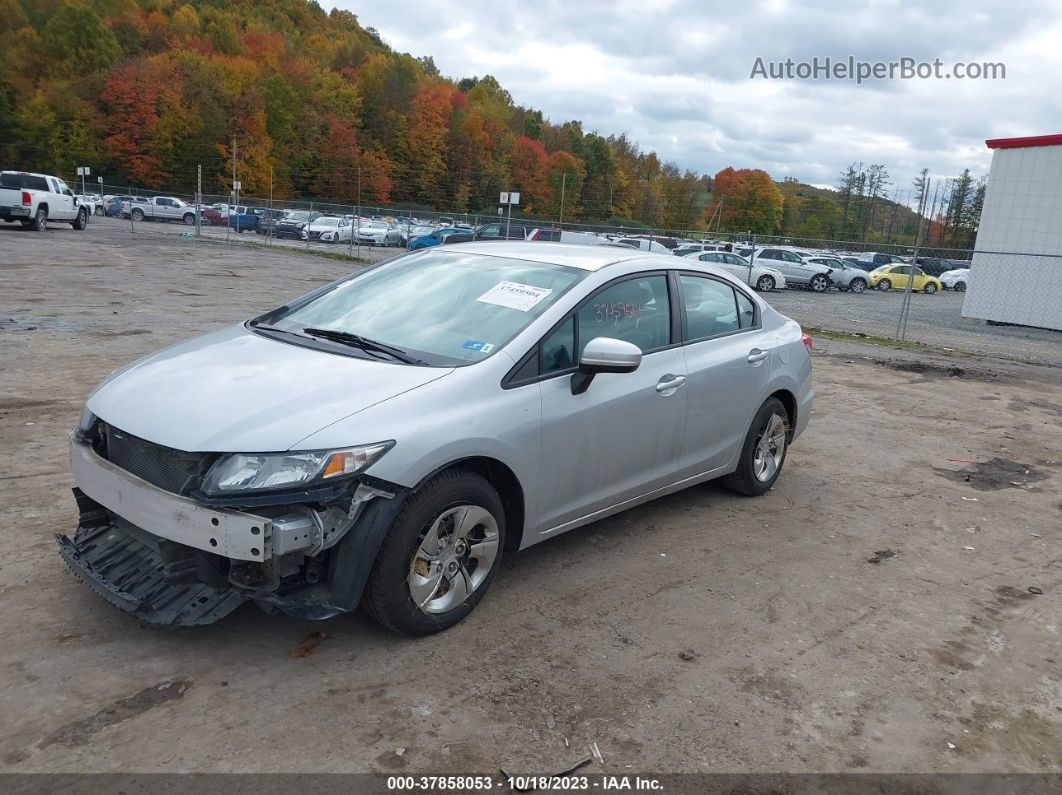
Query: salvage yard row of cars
x=763, y=267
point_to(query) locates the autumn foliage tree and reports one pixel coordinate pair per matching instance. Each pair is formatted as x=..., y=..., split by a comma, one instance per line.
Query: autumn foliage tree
x=746, y=199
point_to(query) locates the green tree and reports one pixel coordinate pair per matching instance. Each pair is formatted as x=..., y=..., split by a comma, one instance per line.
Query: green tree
x=76, y=37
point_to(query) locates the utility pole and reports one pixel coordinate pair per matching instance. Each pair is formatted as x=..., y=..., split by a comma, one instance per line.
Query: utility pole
x=905, y=305
x=564, y=179
x=235, y=185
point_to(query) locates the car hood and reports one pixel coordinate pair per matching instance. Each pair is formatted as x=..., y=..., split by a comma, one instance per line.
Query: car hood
x=372, y=231
x=238, y=391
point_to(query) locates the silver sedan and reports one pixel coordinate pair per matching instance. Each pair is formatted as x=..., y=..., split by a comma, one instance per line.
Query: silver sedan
x=389, y=437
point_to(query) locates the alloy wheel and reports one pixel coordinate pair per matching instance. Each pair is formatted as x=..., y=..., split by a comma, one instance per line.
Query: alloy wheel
x=455, y=556
x=770, y=449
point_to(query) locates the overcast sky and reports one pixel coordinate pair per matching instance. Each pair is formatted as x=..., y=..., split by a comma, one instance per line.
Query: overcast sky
x=674, y=75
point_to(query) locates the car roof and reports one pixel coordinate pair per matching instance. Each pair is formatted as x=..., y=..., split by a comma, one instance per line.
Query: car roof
x=574, y=255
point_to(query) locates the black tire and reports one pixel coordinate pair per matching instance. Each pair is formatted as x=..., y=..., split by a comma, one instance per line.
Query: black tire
x=884, y=285
x=98, y=211
x=960, y=287
x=819, y=283
x=857, y=285
x=40, y=220
x=81, y=221
x=387, y=598
x=743, y=480
x=138, y=214
x=189, y=219
x=929, y=289
x=765, y=283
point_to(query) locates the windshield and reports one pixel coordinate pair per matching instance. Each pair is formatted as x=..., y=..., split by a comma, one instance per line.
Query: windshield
x=374, y=225
x=299, y=215
x=448, y=308
x=326, y=222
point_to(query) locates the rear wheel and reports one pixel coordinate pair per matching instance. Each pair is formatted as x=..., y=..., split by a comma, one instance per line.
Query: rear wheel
x=819, y=283
x=857, y=285
x=765, y=283
x=960, y=287
x=884, y=285
x=138, y=215
x=440, y=557
x=98, y=210
x=40, y=220
x=763, y=453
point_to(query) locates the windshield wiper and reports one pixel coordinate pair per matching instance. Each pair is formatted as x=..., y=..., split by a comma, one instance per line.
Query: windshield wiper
x=366, y=344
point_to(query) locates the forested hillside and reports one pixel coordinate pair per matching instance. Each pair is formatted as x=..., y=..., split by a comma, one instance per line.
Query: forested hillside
x=144, y=91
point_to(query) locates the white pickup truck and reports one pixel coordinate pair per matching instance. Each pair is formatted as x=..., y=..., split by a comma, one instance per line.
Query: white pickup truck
x=35, y=199
x=159, y=208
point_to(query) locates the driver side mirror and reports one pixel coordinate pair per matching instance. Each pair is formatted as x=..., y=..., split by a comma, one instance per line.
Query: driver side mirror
x=605, y=355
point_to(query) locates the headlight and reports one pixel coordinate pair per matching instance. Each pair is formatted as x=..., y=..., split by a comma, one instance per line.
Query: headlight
x=257, y=471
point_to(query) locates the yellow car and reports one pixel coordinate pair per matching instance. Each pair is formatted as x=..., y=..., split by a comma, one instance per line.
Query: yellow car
x=890, y=276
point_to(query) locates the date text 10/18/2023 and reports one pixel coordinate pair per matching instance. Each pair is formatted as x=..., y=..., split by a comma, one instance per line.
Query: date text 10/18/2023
x=568, y=783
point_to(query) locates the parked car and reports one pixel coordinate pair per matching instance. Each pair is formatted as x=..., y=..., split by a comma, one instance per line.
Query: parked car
x=378, y=233
x=357, y=475
x=438, y=237
x=955, y=279
x=844, y=275
x=692, y=248
x=93, y=202
x=112, y=205
x=267, y=219
x=889, y=276
x=329, y=229
x=292, y=224
x=761, y=277
x=794, y=265
x=503, y=231
x=875, y=259
x=159, y=208
x=935, y=266
x=553, y=235
x=243, y=219
x=644, y=244
x=34, y=199
x=212, y=216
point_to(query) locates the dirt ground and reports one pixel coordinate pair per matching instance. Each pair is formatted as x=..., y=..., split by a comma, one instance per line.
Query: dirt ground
x=893, y=604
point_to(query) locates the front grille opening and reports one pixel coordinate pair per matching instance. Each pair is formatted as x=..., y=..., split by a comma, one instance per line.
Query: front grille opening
x=172, y=470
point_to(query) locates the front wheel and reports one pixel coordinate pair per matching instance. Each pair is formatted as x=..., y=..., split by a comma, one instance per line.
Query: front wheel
x=765, y=284
x=81, y=221
x=763, y=453
x=819, y=283
x=884, y=285
x=857, y=285
x=929, y=289
x=960, y=287
x=440, y=556
x=189, y=219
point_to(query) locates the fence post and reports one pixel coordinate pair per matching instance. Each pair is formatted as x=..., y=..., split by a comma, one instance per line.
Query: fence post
x=132, y=227
x=308, y=222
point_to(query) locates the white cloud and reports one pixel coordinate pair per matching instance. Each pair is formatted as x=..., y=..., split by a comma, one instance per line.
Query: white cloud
x=674, y=75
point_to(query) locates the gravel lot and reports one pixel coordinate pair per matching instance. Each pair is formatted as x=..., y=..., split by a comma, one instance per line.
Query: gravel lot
x=872, y=613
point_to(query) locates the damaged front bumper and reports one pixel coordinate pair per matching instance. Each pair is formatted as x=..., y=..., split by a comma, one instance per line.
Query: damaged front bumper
x=169, y=560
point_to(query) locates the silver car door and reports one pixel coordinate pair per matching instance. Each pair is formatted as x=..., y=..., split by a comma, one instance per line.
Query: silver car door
x=619, y=439
x=728, y=361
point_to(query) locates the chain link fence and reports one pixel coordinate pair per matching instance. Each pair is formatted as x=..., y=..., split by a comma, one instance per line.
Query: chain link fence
x=1007, y=304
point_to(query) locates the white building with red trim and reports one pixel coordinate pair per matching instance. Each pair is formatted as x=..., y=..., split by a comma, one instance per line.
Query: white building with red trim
x=1021, y=218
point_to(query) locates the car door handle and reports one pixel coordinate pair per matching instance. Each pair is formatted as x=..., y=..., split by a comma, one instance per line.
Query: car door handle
x=670, y=382
x=756, y=355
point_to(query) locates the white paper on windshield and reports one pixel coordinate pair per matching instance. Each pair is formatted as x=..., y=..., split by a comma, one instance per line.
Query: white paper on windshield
x=514, y=295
